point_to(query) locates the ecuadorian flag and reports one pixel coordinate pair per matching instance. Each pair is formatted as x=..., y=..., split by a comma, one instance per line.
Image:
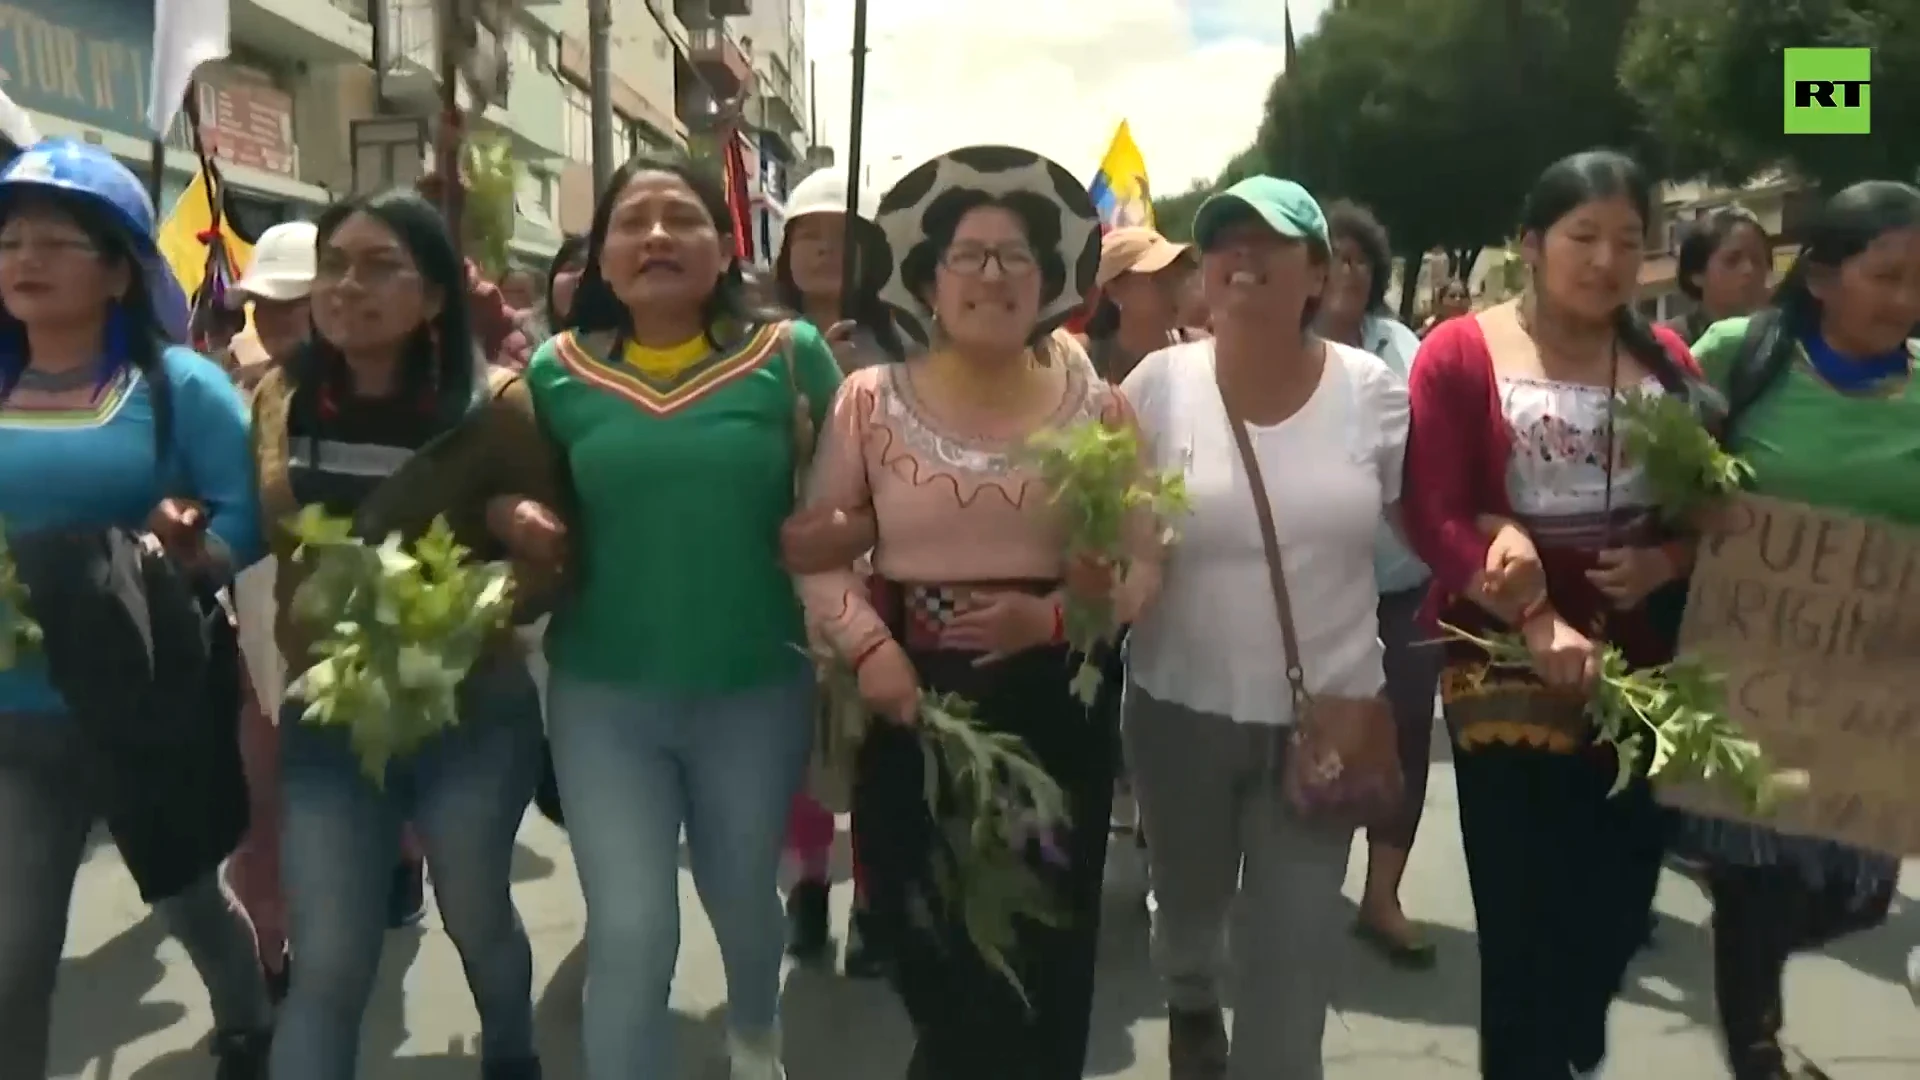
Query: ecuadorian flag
x=1120, y=192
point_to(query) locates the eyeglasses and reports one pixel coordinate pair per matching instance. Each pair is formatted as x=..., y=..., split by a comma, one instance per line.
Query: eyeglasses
x=369, y=273
x=971, y=260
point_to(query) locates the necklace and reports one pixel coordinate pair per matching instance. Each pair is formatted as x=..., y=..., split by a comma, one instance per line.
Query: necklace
x=57, y=382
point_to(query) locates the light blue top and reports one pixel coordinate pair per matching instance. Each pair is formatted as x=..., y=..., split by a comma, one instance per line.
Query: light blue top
x=1395, y=569
x=95, y=468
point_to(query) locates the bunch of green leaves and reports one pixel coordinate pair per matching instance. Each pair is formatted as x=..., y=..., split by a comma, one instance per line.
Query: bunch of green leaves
x=1671, y=719
x=18, y=632
x=1685, y=465
x=400, y=627
x=490, y=178
x=991, y=801
x=1094, y=477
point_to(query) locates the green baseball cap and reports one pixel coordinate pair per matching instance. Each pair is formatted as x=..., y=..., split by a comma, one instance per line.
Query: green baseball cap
x=1283, y=205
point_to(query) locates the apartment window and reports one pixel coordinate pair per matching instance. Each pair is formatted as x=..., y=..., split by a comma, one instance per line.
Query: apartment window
x=532, y=49
x=534, y=192
x=578, y=137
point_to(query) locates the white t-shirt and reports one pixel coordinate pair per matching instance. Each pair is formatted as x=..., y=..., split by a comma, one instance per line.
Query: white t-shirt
x=1211, y=641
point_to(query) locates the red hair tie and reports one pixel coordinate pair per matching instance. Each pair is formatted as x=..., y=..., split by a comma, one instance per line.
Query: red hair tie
x=207, y=236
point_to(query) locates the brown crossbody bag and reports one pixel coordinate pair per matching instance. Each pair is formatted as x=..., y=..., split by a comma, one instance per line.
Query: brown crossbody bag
x=1342, y=764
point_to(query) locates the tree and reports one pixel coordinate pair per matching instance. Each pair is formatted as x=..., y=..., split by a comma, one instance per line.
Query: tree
x=487, y=215
x=1173, y=215
x=1439, y=114
x=1709, y=74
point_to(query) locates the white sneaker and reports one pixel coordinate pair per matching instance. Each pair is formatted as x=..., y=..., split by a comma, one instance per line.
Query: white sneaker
x=754, y=1057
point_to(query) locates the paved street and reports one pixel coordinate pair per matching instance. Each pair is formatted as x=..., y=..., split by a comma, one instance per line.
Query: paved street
x=130, y=1006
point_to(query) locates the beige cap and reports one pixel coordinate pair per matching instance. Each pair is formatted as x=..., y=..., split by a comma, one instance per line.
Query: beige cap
x=1135, y=249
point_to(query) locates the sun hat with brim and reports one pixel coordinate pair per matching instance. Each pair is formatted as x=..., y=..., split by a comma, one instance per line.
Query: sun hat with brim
x=72, y=169
x=919, y=202
x=285, y=260
x=825, y=192
x=1282, y=205
x=1135, y=249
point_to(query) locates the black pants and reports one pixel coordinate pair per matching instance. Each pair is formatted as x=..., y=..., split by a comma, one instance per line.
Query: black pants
x=1762, y=915
x=970, y=1024
x=1562, y=879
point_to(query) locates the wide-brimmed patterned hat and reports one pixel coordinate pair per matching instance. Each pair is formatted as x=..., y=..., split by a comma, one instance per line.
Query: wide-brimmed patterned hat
x=1066, y=229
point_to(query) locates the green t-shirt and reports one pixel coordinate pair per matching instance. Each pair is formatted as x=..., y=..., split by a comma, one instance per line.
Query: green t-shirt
x=1809, y=443
x=682, y=484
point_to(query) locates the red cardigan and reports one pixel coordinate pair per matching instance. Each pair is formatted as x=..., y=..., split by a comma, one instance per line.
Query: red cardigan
x=1458, y=447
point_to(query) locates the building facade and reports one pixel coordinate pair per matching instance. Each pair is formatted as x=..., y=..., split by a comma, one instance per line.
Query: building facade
x=304, y=111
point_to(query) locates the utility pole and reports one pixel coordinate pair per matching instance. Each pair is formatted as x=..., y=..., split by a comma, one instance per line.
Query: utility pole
x=453, y=34
x=600, y=91
x=850, y=268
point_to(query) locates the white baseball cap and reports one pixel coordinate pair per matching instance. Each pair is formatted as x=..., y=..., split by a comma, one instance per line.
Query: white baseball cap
x=283, y=264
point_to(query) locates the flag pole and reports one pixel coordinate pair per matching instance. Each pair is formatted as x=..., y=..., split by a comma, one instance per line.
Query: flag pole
x=850, y=266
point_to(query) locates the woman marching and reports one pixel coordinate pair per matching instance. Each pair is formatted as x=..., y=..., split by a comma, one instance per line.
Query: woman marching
x=1722, y=267
x=1355, y=314
x=1142, y=278
x=276, y=284
x=1519, y=498
x=1265, y=412
x=391, y=366
x=1823, y=406
x=808, y=275
x=990, y=249
x=101, y=420
x=680, y=695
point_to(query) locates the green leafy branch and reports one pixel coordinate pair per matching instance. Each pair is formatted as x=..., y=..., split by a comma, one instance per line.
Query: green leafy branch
x=1679, y=708
x=1094, y=477
x=990, y=801
x=19, y=634
x=1686, y=467
x=400, y=627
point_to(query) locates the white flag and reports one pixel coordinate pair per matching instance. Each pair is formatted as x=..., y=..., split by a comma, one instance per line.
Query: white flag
x=186, y=34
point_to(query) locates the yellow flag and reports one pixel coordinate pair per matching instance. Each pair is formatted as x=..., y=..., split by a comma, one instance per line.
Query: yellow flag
x=1120, y=190
x=179, y=236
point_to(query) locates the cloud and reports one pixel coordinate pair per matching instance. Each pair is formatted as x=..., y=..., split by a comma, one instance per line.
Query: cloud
x=1055, y=76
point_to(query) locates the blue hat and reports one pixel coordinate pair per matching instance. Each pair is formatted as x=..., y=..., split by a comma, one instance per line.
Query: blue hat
x=82, y=170
x=1282, y=205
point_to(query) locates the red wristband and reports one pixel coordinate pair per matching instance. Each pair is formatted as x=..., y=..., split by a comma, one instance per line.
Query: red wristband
x=1538, y=607
x=866, y=654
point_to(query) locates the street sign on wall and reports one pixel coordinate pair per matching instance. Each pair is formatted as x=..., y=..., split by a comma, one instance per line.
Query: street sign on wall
x=86, y=60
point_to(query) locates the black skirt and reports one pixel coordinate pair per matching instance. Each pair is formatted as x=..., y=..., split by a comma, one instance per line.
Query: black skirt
x=970, y=1022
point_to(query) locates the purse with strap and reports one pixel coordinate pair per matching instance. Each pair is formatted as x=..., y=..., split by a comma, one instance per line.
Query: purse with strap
x=1342, y=765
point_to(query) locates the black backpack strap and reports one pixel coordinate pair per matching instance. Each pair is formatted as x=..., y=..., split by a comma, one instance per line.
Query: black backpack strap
x=1765, y=352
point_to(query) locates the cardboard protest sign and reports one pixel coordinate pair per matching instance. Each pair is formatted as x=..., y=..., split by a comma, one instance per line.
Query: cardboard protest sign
x=1815, y=619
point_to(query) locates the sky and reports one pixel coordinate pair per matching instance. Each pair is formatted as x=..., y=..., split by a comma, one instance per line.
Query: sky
x=1054, y=76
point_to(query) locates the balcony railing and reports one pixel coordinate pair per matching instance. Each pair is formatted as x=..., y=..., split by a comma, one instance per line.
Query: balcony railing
x=720, y=59
x=412, y=39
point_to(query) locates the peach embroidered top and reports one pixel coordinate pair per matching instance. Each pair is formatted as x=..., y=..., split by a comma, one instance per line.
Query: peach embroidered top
x=949, y=508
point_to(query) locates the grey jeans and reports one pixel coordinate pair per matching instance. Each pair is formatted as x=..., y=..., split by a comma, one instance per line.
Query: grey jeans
x=1221, y=842
x=47, y=810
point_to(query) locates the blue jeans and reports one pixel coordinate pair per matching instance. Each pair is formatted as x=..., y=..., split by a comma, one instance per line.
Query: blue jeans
x=465, y=794
x=634, y=767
